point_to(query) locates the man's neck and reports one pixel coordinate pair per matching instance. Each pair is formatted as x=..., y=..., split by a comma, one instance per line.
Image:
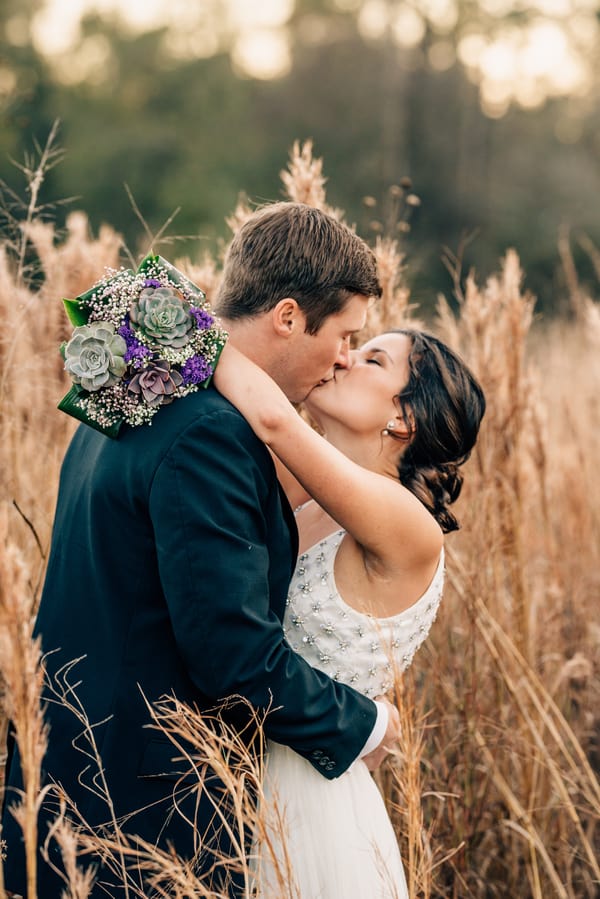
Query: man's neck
x=248, y=335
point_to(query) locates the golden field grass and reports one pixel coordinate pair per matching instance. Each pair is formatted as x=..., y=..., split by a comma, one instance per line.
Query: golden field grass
x=494, y=791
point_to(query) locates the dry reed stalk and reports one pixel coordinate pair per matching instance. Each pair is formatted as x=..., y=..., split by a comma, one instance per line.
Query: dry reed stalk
x=303, y=179
x=32, y=379
x=240, y=214
x=550, y=736
x=21, y=678
x=405, y=792
x=576, y=296
x=79, y=881
x=510, y=757
x=591, y=320
x=209, y=747
x=393, y=309
x=491, y=333
x=512, y=729
x=587, y=244
x=205, y=274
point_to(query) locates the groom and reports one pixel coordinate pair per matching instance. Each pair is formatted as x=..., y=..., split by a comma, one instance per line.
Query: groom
x=172, y=552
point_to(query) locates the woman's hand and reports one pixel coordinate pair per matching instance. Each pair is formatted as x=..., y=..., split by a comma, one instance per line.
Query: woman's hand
x=392, y=735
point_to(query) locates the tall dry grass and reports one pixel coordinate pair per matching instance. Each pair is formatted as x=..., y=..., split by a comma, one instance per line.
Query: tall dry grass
x=494, y=789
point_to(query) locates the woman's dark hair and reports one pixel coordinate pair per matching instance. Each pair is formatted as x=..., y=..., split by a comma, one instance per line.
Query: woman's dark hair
x=443, y=405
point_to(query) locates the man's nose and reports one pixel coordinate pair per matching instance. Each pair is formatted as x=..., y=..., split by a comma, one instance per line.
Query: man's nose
x=344, y=358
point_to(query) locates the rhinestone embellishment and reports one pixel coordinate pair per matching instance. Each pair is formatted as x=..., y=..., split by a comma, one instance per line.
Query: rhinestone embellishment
x=352, y=647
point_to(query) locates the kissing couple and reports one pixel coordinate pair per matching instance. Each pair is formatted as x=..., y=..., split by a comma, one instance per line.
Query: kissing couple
x=178, y=567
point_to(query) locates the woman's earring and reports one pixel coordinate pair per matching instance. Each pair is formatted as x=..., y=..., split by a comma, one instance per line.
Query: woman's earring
x=389, y=427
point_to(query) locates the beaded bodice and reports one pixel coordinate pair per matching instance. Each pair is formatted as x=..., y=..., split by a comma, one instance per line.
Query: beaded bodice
x=351, y=646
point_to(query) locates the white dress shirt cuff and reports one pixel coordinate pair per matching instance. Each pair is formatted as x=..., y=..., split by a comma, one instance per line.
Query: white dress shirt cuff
x=378, y=732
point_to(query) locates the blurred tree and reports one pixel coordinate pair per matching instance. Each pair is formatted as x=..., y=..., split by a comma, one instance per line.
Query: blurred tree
x=185, y=130
x=25, y=84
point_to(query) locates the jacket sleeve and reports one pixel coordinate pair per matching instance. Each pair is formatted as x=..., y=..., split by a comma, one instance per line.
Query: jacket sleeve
x=207, y=502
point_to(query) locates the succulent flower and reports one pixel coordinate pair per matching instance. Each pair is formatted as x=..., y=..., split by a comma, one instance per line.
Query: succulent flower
x=141, y=340
x=163, y=316
x=156, y=384
x=94, y=356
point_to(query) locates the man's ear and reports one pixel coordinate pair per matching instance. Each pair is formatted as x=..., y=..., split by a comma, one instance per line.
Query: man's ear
x=287, y=318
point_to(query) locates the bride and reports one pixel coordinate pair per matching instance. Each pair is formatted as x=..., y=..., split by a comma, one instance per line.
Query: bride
x=372, y=502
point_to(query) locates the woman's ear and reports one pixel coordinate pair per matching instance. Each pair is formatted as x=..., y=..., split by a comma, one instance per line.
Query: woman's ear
x=287, y=318
x=403, y=428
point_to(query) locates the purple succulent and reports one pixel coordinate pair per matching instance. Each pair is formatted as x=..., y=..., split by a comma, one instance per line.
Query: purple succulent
x=156, y=384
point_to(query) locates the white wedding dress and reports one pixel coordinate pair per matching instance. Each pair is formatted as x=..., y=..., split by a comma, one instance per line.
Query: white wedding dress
x=339, y=842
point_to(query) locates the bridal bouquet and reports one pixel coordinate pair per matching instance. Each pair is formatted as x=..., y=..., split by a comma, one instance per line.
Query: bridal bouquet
x=141, y=340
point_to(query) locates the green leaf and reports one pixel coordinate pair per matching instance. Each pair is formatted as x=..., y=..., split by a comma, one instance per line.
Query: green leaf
x=76, y=314
x=175, y=275
x=214, y=364
x=70, y=405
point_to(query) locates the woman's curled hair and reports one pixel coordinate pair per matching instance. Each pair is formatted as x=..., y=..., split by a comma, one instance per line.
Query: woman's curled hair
x=442, y=404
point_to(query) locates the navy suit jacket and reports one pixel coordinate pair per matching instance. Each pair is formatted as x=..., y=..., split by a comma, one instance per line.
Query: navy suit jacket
x=171, y=557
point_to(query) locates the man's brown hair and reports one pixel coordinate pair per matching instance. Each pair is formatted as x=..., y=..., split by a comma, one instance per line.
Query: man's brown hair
x=294, y=250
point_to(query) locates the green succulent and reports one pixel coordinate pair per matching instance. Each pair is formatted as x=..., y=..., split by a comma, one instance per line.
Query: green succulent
x=94, y=356
x=163, y=316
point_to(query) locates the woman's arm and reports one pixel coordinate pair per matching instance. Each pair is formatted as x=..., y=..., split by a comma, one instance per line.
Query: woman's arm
x=293, y=489
x=381, y=514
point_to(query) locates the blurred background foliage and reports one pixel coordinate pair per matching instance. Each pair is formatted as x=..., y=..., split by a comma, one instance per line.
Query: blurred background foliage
x=490, y=107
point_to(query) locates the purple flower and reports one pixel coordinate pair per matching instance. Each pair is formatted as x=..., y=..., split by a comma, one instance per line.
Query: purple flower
x=203, y=319
x=196, y=370
x=136, y=352
x=152, y=282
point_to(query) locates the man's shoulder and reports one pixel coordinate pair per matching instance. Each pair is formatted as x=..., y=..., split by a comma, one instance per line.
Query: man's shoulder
x=204, y=410
x=189, y=419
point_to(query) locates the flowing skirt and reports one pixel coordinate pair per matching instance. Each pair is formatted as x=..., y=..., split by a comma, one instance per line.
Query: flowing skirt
x=338, y=839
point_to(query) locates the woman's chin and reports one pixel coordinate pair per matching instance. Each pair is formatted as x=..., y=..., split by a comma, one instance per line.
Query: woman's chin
x=312, y=405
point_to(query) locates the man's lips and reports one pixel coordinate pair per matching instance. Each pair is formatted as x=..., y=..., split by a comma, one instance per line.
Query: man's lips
x=326, y=380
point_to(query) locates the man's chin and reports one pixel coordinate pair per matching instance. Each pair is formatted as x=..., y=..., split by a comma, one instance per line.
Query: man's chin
x=312, y=390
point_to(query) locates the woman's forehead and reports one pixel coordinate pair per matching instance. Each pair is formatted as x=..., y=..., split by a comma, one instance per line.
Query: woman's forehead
x=395, y=343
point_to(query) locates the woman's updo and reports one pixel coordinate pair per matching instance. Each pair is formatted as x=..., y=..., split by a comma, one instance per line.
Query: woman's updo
x=442, y=405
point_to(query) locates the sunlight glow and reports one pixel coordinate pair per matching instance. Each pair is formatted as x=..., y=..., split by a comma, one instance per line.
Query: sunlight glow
x=262, y=53
x=263, y=14
x=511, y=58
x=408, y=27
x=373, y=19
x=55, y=28
x=442, y=14
x=90, y=61
x=529, y=63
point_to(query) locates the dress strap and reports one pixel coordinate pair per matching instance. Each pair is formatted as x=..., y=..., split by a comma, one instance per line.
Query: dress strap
x=302, y=506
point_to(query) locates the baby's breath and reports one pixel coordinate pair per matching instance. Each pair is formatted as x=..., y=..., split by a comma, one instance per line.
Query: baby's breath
x=168, y=338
